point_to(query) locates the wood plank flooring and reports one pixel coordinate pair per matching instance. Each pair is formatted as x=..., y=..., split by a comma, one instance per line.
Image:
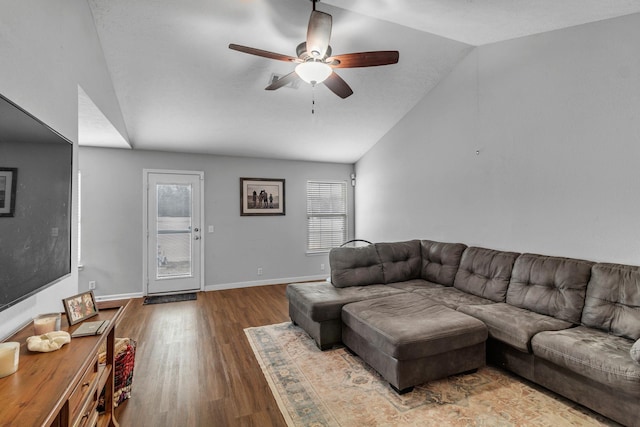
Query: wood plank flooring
x=194, y=365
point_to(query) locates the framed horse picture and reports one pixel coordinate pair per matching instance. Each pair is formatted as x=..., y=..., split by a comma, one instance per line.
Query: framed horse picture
x=261, y=196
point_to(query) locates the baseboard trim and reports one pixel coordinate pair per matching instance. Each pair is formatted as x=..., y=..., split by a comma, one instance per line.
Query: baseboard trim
x=223, y=286
x=119, y=296
x=237, y=285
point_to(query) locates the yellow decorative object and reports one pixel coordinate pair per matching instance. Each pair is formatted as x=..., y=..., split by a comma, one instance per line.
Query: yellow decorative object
x=51, y=341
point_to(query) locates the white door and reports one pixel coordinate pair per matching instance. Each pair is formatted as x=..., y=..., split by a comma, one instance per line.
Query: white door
x=173, y=237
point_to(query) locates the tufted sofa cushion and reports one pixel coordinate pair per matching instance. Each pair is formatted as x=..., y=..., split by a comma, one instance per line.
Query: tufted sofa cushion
x=355, y=266
x=612, y=302
x=401, y=261
x=440, y=261
x=485, y=273
x=550, y=285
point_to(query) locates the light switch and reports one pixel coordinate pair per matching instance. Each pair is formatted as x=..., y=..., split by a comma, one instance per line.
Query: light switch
x=211, y=229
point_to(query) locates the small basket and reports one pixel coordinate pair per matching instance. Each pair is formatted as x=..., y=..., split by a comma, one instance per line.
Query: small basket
x=123, y=378
x=125, y=349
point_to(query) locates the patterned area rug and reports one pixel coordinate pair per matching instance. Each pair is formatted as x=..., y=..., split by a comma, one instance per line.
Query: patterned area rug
x=336, y=388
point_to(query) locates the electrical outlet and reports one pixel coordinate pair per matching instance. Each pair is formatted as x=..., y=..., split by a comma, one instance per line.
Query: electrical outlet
x=259, y=271
x=321, y=267
x=92, y=284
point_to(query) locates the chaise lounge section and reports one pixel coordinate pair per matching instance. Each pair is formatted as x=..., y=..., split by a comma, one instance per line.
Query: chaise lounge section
x=357, y=274
x=570, y=325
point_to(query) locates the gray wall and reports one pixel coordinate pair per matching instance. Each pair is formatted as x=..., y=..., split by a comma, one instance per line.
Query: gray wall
x=555, y=118
x=112, y=219
x=48, y=48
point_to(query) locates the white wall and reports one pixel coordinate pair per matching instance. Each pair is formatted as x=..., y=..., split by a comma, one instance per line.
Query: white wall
x=112, y=219
x=48, y=48
x=556, y=120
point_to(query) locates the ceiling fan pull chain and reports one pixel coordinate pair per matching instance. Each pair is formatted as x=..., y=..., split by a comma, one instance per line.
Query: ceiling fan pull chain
x=313, y=99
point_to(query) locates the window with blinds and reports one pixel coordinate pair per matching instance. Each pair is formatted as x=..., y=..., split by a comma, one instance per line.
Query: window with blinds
x=326, y=215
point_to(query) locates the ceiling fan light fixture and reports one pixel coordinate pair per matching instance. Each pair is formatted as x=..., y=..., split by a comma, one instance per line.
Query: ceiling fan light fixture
x=313, y=72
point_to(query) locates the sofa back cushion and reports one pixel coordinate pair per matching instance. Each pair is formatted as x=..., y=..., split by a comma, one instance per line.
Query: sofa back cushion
x=612, y=302
x=440, y=261
x=401, y=261
x=485, y=273
x=550, y=285
x=355, y=266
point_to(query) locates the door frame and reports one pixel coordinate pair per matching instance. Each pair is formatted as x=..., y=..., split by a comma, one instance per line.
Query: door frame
x=145, y=223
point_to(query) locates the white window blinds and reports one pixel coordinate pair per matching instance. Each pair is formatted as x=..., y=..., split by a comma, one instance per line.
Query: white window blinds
x=326, y=215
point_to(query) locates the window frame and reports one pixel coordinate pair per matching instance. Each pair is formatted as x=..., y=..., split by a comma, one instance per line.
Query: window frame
x=335, y=214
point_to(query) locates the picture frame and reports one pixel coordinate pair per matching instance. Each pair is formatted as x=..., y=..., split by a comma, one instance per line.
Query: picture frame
x=8, y=185
x=262, y=197
x=80, y=307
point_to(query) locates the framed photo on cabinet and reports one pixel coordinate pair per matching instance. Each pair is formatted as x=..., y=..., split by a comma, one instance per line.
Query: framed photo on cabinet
x=80, y=307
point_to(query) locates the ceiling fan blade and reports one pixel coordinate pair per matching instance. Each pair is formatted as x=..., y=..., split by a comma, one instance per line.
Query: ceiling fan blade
x=318, y=34
x=283, y=81
x=338, y=86
x=365, y=59
x=262, y=53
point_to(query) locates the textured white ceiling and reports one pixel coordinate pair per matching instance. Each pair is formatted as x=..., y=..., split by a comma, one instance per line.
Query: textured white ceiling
x=479, y=22
x=181, y=89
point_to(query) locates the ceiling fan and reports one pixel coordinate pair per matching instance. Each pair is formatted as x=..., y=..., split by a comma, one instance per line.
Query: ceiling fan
x=315, y=62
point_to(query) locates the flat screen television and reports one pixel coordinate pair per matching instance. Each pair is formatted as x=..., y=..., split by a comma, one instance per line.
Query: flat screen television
x=35, y=205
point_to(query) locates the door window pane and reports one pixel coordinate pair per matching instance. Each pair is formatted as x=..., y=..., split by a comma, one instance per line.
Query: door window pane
x=174, y=227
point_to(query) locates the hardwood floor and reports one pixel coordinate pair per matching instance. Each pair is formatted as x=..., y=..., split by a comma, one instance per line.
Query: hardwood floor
x=194, y=365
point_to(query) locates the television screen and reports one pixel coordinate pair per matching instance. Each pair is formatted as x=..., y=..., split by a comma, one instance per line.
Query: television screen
x=35, y=205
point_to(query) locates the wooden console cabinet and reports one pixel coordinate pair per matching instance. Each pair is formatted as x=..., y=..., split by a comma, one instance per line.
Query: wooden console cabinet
x=62, y=388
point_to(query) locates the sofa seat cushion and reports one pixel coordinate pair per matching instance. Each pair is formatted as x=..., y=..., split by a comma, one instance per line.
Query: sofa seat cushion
x=452, y=297
x=485, y=273
x=355, y=266
x=321, y=301
x=550, y=285
x=414, y=285
x=513, y=325
x=409, y=326
x=401, y=261
x=440, y=261
x=591, y=353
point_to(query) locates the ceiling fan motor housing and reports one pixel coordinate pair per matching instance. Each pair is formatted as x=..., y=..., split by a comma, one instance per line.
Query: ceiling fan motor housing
x=301, y=52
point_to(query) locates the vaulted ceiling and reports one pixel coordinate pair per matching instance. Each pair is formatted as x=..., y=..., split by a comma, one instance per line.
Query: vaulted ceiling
x=181, y=89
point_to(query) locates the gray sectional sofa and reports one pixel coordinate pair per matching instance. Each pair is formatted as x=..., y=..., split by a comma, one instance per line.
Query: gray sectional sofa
x=570, y=325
